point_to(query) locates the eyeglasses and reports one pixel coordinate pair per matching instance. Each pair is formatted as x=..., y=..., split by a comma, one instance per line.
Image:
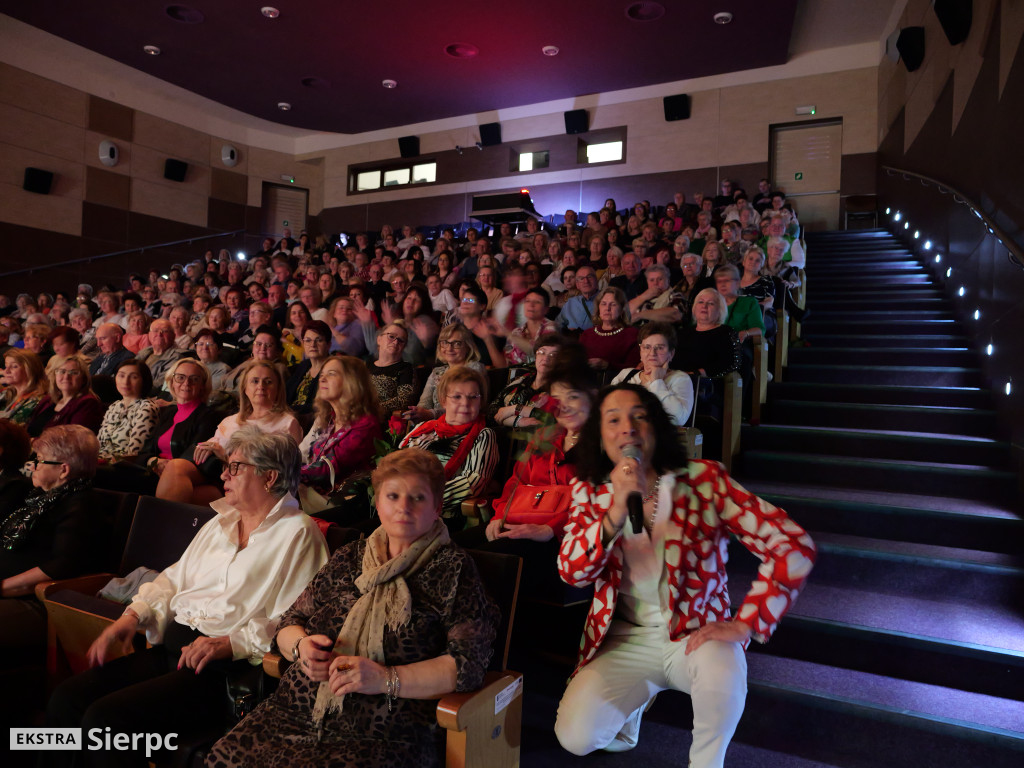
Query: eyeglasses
x=73, y=372
x=393, y=337
x=655, y=348
x=314, y=340
x=458, y=398
x=32, y=464
x=454, y=344
x=234, y=467
x=181, y=378
x=205, y=345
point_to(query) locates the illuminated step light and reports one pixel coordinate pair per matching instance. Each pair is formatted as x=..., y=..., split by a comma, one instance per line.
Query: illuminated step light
x=949, y=272
x=989, y=350
x=938, y=258
x=887, y=210
x=977, y=314
x=897, y=216
x=1009, y=387
x=917, y=234
x=962, y=291
x=906, y=225
x=927, y=245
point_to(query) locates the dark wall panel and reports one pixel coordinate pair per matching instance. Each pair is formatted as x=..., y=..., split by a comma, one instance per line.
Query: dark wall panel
x=110, y=119
x=107, y=188
x=230, y=186
x=978, y=158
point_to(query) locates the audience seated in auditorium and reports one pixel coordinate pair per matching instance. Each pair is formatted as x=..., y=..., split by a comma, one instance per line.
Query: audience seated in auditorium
x=673, y=388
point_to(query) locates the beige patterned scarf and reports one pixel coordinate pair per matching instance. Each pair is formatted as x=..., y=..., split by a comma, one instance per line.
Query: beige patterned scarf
x=385, y=602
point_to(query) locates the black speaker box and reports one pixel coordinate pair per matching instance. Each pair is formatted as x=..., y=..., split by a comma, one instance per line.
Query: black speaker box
x=490, y=134
x=409, y=146
x=677, y=107
x=955, y=17
x=38, y=181
x=577, y=121
x=910, y=44
x=175, y=170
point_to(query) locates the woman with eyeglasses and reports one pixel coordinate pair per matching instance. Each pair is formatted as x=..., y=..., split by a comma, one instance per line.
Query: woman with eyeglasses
x=461, y=439
x=393, y=378
x=70, y=399
x=674, y=389
x=454, y=347
x=208, y=348
x=57, y=531
x=210, y=616
x=526, y=403
x=261, y=402
x=180, y=426
x=472, y=314
x=416, y=313
x=341, y=440
x=305, y=377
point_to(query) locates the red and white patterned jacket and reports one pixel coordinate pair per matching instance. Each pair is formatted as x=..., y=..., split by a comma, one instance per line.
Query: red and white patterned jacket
x=707, y=506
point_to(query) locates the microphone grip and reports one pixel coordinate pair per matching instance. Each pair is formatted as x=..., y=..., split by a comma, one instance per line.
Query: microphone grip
x=635, y=509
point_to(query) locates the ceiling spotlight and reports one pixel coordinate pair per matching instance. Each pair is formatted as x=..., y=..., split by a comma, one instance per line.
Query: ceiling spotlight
x=270, y=11
x=284, y=106
x=461, y=50
x=549, y=50
x=389, y=83
x=152, y=50
x=723, y=17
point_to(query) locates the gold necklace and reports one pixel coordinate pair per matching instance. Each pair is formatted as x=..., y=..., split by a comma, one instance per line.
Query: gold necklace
x=649, y=524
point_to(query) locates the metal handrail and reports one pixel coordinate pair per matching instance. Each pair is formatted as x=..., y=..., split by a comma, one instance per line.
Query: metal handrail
x=139, y=249
x=1013, y=251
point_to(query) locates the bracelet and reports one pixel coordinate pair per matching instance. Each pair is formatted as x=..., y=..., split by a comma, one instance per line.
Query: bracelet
x=295, y=648
x=393, y=686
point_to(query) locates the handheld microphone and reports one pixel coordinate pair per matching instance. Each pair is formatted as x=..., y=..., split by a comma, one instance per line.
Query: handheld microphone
x=634, y=501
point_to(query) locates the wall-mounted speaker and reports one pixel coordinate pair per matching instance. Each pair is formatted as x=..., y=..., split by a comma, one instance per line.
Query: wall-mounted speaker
x=409, y=146
x=677, y=107
x=175, y=170
x=577, y=121
x=490, y=134
x=229, y=155
x=955, y=17
x=109, y=153
x=910, y=44
x=37, y=180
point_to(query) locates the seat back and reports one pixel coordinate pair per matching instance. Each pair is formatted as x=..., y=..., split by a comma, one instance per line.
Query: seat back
x=160, y=533
x=120, y=508
x=500, y=574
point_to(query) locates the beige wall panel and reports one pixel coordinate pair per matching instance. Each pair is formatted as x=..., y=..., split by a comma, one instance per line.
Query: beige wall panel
x=152, y=199
x=171, y=139
x=68, y=180
x=266, y=165
x=91, y=152
x=442, y=141
x=45, y=97
x=53, y=213
x=242, y=166
x=529, y=127
x=41, y=134
x=148, y=165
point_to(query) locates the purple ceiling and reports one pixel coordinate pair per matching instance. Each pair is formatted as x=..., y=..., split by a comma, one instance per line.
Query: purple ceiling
x=327, y=58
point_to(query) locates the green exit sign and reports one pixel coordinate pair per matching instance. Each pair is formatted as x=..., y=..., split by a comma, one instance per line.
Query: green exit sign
x=798, y=176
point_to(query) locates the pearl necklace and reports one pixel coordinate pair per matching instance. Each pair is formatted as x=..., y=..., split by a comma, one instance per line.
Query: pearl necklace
x=599, y=332
x=649, y=524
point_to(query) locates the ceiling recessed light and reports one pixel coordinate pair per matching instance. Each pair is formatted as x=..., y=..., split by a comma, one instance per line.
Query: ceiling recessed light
x=270, y=11
x=389, y=83
x=549, y=50
x=184, y=14
x=461, y=50
x=152, y=50
x=723, y=17
x=284, y=106
x=645, y=11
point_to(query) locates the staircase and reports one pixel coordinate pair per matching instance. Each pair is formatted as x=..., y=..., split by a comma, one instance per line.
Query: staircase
x=907, y=645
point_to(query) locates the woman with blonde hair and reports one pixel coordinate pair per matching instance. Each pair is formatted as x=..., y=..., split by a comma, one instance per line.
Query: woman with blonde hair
x=454, y=347
x=261, y=401
x=347, y=423
x=70, y=399
x=24, y=385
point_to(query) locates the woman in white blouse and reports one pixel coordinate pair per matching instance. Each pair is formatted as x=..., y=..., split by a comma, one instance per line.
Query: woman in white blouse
x=673, y=388
x=210, y=615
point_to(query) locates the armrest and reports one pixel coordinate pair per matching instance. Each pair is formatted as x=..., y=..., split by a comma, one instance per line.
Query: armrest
x=455, y=709
x=474, y=510
x=275, y=665
x=87, y=585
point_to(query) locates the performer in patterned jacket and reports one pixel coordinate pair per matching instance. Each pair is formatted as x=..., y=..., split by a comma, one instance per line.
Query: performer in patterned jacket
x=661, y=616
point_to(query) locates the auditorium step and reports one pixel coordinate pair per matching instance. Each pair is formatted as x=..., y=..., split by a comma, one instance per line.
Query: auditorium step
x=907, y=418
x=930, y=356
x=903, y=375
x=956, y=397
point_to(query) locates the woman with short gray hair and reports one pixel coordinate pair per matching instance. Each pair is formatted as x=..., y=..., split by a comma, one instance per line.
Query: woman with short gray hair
x=212, y=614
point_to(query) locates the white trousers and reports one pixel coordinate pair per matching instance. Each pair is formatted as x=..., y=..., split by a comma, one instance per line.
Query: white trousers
x=602, y=705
